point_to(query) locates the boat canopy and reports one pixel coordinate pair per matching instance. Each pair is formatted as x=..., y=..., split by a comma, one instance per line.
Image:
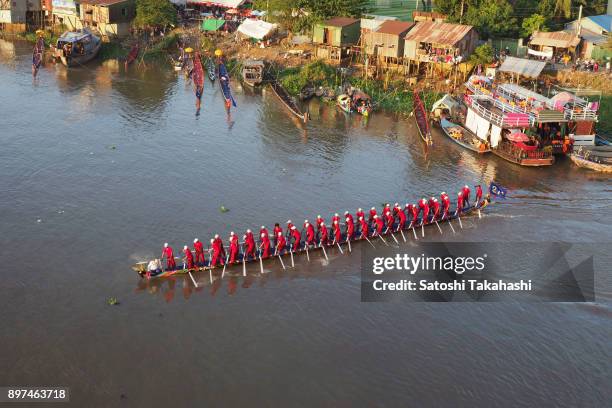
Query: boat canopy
x=75, y=36
x=447, y=102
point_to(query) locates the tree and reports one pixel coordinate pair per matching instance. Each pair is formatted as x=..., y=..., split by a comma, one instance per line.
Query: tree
x=325, y=9
x=492, y=18
x=482, y=55
x=535, y=22
x=154, y=13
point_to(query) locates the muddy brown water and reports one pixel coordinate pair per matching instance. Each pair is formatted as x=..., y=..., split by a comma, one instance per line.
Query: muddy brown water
x=99, y=167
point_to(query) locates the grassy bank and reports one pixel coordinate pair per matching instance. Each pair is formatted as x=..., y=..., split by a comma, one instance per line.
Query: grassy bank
x=396, y=96
x=605, y=126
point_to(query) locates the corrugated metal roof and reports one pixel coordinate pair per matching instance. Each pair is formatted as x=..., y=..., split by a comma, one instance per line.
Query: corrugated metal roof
x=101, y=2
x=559, y=39
x=603, y=20
x=438, y=33
x=523, y=66
x=340, y=21
x=394, y=27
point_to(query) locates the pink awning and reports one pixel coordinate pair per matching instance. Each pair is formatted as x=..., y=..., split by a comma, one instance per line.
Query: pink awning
x=518, y=137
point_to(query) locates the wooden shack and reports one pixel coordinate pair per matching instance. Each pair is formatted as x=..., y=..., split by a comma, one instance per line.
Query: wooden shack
x=430, y=41
x=111, y=18
x=334, y=38
x=553, y=44
x=387, y=41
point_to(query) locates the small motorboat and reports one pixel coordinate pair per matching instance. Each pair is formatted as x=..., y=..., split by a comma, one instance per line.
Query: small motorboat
x=344, y=102
x=75, y=48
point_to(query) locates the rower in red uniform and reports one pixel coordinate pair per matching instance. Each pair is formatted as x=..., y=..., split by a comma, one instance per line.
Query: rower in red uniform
x=389, y=220
x=465, y=191
x=460, y=204
x=281, y=243
x=402, y=219
x=249, y=241
x=310, y=233
x=219, y=242
x=169, y=254
x=297, y=239
x=348, y=215
x=275, y=231
x=265, y=245
x=478, y=196
x=216, y=253
x=188, y=257
x=337, y=232
x=323, y=235
x=435, y=205
x=199, y=252
x=413, y=212
x=335, y=218
x=396, y=209
x=320, y=221
x=372, y=214
x=263, y=230
x=350, y=227
x=379, y=225
x=289, y=225
x=233, y=239
x=365, y=230
x=445, y=205
x=359, y=214
x=424, y=207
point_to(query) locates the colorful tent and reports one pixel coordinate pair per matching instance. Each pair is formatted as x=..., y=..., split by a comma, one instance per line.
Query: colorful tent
x=212, y=24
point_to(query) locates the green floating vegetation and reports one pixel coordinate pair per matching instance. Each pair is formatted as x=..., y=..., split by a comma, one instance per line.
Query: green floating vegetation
x=223, y=209
x=112, y=301
x=316, y=73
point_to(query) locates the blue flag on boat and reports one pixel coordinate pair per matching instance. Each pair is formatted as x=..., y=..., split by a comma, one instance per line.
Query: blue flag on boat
x=497, y=190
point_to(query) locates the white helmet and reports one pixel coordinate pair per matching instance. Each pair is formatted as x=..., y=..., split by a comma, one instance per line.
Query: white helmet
x=376, y=216
x=346, y=212
x=407, y=204
x=360, y=218
x=318, y=216
x=216, y=236
x=288, y=221
x=305, y=221
x=466, y=186
x=185, y=248
x=248, y=231
x=373, y=208
x=336, y=215
x=166, y=245
x=443, y=193
x=423, y=200
x=263, y=227
x=212, y=240
x=397, y=204
x=195, y=240
x=459, y=194
x=293, y=227
x=359, y=209
x=232, y=233
x=435, y=200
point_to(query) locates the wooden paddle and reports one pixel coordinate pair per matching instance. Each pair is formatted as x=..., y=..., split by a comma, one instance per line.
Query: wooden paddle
x=307, y=254
x=244, y=255
x=370, y=242
x=324, y=252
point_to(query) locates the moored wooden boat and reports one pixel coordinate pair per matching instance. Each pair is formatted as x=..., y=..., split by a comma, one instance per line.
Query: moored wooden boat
x=421, y=118
x=598, y=158
x=133, y=54
x=75, y=48
x=141, y=267
x=253, y=72
x=513, y=154
x=344, y=102
x=464, y=137
x=288, y=101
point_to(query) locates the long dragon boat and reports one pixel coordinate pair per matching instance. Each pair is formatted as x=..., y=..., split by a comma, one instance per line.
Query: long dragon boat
x=422, y=121
x=414, y=226
x=288, y=101
x=224, y=82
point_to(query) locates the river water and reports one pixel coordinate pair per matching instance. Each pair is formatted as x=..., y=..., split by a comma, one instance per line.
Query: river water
x=99, y=167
